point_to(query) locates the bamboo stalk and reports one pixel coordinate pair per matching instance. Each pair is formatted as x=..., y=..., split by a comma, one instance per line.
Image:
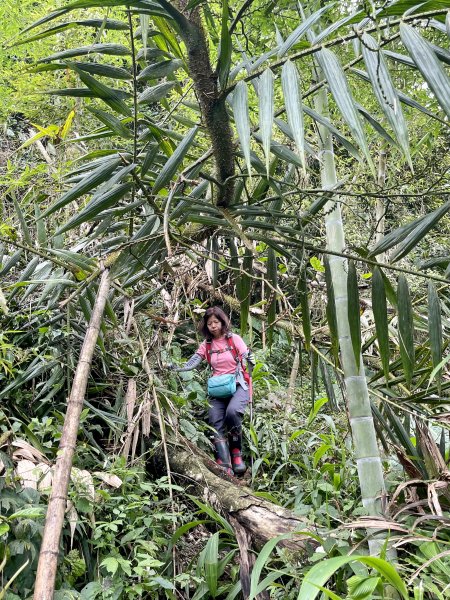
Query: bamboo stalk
x=368, y=462
x=48, y=557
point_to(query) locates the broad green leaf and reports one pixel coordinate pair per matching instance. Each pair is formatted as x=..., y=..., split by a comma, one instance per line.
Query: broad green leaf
x=261, y=561
x=340, y=89
x=224, y=61
x=242, y=120
x=109, y=95
x=160, y=69
x=112, y=49
x=379, y=306
x=112, y=122
x=385, y=92
x=319, y=574
x=302, y=29
x=96, y=206
x=354, y=312
x=303, y=298
x=331, y=312
x=266, y=107
x=428, y=64
x=423, y=226
x=290, y=81
x=272, y=278
x=405, y=328
x=88, y=183
x=435, y=330
x=156, y=93
x=212, y=564
x=172, y=164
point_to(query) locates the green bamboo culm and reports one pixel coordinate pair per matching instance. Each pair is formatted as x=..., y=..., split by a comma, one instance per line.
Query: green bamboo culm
x=370, y=472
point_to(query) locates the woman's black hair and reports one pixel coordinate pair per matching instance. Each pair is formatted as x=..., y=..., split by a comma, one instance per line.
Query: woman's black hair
x=217, y=312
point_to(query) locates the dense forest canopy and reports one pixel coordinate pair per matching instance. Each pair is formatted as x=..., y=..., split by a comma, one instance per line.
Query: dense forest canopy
x=287, y=162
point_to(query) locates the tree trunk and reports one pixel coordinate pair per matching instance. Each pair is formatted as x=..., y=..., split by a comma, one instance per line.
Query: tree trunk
x=48, y=557
x=261, y=519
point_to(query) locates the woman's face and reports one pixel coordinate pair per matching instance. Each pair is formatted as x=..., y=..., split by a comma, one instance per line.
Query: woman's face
x=214, y=326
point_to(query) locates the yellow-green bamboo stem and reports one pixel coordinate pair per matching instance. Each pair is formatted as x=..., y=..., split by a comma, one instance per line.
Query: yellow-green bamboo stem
x=368, y=460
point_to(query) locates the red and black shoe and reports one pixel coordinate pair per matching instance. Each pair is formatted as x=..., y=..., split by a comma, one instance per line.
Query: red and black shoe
x=235, y=444
x=222, y=454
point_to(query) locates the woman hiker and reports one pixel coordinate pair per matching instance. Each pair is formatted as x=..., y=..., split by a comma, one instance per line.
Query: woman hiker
x=228, y=388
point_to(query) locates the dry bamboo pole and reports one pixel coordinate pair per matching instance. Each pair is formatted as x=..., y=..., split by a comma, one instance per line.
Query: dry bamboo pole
x=48, y=556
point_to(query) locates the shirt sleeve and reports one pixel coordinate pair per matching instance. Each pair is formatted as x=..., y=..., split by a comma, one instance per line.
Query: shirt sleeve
x=202, y=349
x=241, y=346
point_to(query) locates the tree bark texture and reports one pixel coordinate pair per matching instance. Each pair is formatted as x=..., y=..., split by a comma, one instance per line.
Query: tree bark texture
x=262, y=520
x=48, y=557
x=212, y=102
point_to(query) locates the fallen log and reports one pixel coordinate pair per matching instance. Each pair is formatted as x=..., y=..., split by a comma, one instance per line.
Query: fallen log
x=261, y=519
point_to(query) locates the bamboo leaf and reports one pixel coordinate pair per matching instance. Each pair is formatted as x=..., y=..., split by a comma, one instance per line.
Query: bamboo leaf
x=160, y=69
x=144, y=20
x=156, y=93
x=339, y=87
x=242, y=120
x=93, y=68
x=304, y=304
x=40, y=227
x=403, y=97
x=406, y=329
x=96, y=206
x=435, y=331
x=272, y=277
x=302, y=29
x=336, y=133
x=105, y=23
x=111, y=49
x=423, y=226
x=112, y=122
x=428, y=64
x=379, y=306
x=171, y=166
x=266, y=107
x=354, y=311
x=385, y=92
x=290, y=82
x=331, y=312
x=395, y=237
x=23, y=224
x=110, y=96
x=224, y=61
x=88, y=183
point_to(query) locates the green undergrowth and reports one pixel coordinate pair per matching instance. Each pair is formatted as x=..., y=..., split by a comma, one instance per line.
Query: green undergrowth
x=132, y=533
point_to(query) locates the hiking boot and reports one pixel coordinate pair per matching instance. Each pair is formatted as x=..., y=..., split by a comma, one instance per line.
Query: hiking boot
x=222, y=454
x=235, y=444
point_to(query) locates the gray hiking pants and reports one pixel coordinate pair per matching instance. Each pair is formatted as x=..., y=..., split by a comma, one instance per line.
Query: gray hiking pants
x=225, y=414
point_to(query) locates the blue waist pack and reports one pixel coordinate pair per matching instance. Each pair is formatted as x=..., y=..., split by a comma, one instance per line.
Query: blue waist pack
x=222, y=386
